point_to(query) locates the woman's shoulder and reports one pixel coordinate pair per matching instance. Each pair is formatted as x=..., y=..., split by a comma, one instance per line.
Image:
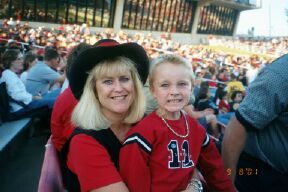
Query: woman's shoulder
x=10, y=78
x=83, y=140
x=6, y=74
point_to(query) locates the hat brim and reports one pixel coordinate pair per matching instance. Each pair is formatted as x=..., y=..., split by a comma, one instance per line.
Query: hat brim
x=89, y=58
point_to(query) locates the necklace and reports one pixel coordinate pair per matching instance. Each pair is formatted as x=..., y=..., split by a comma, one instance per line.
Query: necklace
x=174, y=132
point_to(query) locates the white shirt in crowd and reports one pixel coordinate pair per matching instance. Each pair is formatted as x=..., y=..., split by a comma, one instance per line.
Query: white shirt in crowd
x=16, y=89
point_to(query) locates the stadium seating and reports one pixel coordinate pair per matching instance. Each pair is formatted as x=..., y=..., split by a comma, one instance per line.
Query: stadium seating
x=12, y=135
x=51, y=177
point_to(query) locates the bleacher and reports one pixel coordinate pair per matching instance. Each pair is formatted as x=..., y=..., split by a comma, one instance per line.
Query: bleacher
x=15, y=129
x=12, y=135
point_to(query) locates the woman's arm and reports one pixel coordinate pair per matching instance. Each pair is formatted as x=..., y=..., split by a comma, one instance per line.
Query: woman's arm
x=212, y=168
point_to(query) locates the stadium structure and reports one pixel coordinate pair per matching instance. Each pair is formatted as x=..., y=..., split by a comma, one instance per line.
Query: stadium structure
x=186, y=20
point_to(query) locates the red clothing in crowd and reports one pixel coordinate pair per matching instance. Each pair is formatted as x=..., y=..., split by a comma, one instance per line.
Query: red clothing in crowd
x=61, y=126
x=85, y=149
x=224, y=106
x=212, y=84
x=154, y=159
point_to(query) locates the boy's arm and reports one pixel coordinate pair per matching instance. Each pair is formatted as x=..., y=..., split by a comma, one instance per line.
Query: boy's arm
x=195, y=184
x=133, y=163
x=212, y=168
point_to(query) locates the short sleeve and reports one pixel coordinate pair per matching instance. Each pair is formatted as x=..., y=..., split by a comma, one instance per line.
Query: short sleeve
x=50, y=75
x=266, y=98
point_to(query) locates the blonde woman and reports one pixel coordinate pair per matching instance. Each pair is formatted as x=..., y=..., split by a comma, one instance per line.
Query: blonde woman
x=107, y=80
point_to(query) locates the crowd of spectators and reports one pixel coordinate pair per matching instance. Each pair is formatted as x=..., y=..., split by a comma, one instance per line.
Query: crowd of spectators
x=216, y=67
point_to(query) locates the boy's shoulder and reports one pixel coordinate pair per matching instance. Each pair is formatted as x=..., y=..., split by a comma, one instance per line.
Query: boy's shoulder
x=145, y=125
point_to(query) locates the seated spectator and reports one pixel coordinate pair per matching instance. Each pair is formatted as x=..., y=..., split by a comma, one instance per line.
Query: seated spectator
x=219, y=90
x=203, y=100
x=13, y=64
x=61, y=126
x=236, y=98
x=30, y=60
x=223, y=105
x=44, y=75
x=224, y=109
x=208, y=109
x=222, y=75
x=234, y=85
x=251, y=73
x=242, y=77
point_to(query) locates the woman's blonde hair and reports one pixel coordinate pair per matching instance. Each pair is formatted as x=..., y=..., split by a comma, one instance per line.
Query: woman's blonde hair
x=173, y=59
x=87, y=113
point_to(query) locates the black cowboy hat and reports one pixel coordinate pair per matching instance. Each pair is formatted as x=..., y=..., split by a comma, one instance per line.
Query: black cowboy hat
x=101, y=51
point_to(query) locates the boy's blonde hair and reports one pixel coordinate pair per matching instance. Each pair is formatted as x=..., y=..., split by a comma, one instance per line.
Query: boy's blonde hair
x=87, y=113
x=173, y=59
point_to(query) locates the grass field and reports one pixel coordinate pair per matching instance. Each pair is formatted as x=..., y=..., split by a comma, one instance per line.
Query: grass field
x=237, y=51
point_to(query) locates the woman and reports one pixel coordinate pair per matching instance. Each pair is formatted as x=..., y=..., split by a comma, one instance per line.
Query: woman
x=106, y=80
x=13, y=64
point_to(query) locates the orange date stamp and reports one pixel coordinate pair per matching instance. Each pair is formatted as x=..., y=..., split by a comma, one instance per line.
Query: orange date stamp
x=244, y=171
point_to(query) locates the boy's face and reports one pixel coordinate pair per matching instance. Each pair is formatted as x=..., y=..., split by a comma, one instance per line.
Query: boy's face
x=171, y=88
x=238, y=97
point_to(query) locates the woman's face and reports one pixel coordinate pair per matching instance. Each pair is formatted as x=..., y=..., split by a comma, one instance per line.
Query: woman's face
x=115, y=93
x=17, y=65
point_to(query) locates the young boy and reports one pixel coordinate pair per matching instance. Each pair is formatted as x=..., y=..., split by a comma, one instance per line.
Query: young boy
x=162, y=151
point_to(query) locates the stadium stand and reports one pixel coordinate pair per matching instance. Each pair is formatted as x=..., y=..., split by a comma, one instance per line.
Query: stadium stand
x=12, y=135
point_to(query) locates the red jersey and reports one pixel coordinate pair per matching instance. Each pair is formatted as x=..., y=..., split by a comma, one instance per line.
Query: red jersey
x=61, y=126
x=155, y=159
